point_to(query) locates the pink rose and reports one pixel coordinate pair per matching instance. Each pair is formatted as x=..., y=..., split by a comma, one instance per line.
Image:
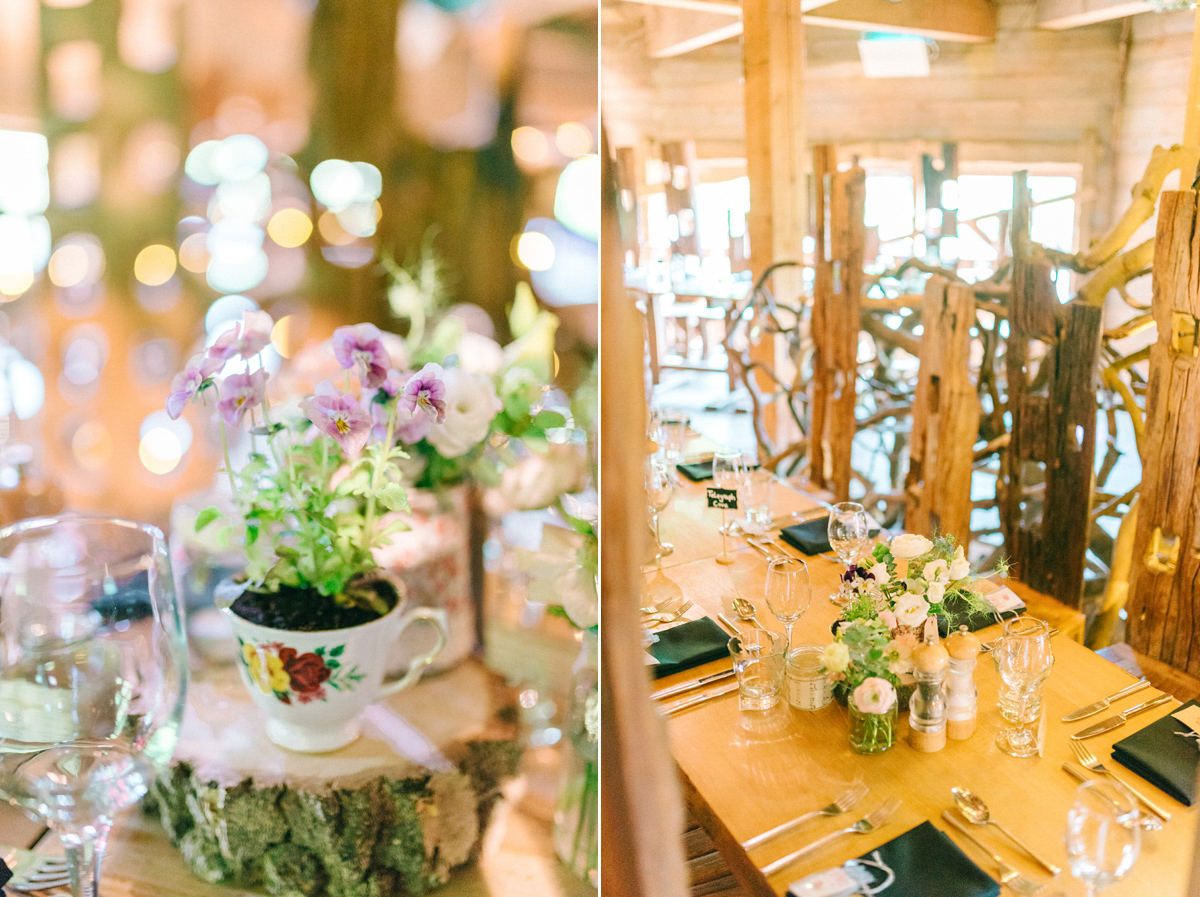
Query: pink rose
x=875, y=695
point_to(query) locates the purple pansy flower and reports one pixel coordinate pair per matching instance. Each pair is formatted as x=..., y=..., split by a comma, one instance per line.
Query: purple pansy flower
x=256, y=333
x=361, y=347
x=340, y=416
x=412, y=426
x=426, y=391
x=225, y=346
x=188, y=382
x=240, y=393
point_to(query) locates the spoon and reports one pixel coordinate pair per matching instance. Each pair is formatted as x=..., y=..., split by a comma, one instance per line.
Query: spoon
x=976, y=811
x=745, y=611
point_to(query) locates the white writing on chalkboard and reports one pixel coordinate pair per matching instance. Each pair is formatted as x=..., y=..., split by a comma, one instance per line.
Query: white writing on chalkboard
x=725, y=499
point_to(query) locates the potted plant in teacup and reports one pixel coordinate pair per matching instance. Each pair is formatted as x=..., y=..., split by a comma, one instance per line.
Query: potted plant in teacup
x=313, y=613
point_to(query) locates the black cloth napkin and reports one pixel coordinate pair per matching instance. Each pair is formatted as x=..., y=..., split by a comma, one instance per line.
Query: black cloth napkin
x=957, y=614
x=1164, y=759
x=701, y=470
x=811, y=536
x=928, y=864
x=688, y=645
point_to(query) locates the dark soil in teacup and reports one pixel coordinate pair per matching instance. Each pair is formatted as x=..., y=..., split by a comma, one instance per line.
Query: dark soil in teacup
x=306, y=610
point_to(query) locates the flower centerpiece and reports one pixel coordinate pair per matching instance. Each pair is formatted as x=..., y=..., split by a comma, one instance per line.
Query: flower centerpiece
x=310, y=506
x=912, y=580
x=865, y=661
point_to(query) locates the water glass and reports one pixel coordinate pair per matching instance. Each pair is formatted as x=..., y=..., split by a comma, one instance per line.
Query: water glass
x=1103, y=838
x=729, y=469
x=758, y=660
x=755, y=500
x=1024, y=659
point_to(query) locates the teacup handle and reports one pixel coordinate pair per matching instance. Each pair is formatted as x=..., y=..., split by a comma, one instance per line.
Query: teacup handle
x=436, y=618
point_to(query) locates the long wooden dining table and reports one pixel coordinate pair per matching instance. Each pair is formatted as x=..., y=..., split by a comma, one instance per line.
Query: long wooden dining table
x=745, y=772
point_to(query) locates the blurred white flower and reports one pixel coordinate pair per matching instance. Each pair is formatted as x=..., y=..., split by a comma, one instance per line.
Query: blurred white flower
x=471, y=403
x=836, y=657
x=479, y=354
x=911, y=610
x=907, y=546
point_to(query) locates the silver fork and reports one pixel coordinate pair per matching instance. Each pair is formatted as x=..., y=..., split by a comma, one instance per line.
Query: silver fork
x=840, y=805
x=1092, y=762
x=1008, y=873
x=667, y=617
x=866, y=825
x=33, y=871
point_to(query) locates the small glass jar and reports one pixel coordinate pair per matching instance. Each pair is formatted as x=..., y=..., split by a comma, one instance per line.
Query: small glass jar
x=808, y=685
x=871, y=733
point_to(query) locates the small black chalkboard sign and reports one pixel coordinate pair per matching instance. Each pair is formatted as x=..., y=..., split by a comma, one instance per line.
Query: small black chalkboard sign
x=725, y=499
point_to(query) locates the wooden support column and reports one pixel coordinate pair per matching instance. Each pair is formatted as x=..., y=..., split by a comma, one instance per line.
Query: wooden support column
x=839, y=233
x=1164, y=602
x=946, y=412
x=679, y=158
x=773, y=61
x=1053, y=422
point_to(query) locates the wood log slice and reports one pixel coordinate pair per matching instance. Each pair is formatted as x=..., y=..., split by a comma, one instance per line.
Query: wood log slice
x=392, y=813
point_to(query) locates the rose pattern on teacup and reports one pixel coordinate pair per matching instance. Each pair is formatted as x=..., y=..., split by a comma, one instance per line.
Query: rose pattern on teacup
x=286, y=673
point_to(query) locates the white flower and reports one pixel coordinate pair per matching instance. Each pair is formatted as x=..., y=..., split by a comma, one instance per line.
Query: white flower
x=936, y=593
x=875, y=695
x=911, y=610
x=936, y=571
x=836, y=657
x=907, y=546
x=479, y=354
x=471, y=404
x=960, y=568
x=536, y=481
x=880, y=572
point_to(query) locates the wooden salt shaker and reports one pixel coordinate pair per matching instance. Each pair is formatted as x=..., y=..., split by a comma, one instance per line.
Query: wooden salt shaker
x=927, y=717
x=962, y=701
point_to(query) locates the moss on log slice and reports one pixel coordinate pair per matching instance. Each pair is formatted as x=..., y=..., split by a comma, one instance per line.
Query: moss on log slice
x=393, y=813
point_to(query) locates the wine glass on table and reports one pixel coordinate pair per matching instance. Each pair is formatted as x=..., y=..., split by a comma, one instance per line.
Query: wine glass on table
x=729, y=467
x=849, y=528
x=659, y=487
x=1103, y=838
x=93, y=667
x=788, y=592
x=1024, y=659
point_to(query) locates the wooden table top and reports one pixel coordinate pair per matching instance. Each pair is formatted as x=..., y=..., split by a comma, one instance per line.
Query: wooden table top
x=747, y=772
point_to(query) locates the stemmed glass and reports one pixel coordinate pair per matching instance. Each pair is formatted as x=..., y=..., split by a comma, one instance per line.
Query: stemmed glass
x=1103, y=837
x=1024, y=659
x=848, y=530
x=93, y=667
x=788, y=591
x=659, y=486
x=728, y=469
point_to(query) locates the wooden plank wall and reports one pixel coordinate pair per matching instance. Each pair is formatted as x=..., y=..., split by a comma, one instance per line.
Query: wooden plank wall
x=1030, y=86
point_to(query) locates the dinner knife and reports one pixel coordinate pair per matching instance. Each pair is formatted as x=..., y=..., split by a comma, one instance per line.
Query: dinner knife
x=671, y=690
x=684, y=703
x=1115, y=722
x=1103, y=703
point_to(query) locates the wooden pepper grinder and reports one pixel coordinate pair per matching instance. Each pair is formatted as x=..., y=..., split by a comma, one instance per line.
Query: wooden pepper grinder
x=927, y=719
x=962, y=698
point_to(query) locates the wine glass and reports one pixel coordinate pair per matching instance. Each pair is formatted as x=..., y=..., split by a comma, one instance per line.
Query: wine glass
x=659, y=486
x=93, y=667
x=1024, y=658
x=788, y=591
x=848, y=527
x=728, y=469
x=1103, y=837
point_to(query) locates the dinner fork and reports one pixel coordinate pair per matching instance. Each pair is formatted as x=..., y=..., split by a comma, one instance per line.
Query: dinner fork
x=866, y=825
x=1092, y=762
x=33, y=871
x=668, y=616
x=840, y=805
x=1007, y=872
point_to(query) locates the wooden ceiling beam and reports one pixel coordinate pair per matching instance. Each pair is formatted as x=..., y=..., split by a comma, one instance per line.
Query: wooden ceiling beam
x=967, y=21
x=1057, y=15
x=673, y=32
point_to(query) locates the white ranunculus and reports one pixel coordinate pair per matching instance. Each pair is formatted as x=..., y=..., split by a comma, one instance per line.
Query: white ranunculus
x=960, y=568
x=880, y=573
x=911, y=610
x=907, y=546
x=936, y=571
x=471, y=404
x=479, y=354
x=936, y=592
x=836, y=657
